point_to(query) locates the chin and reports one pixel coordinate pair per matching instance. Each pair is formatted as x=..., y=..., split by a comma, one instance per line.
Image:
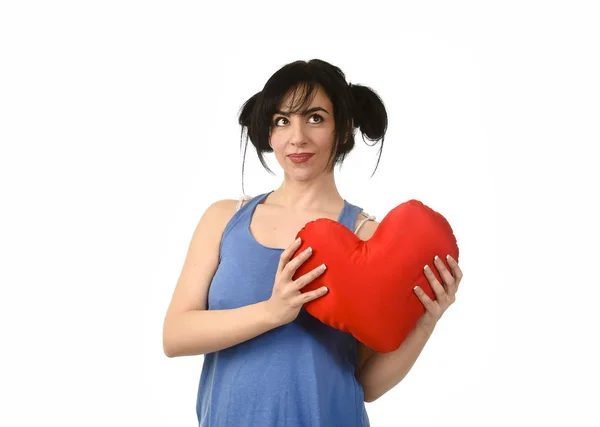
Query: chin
x=303, y=172
x=300, y=176
x=307, y=174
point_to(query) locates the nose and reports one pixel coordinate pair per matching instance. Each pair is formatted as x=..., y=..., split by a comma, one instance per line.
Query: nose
x=297, y=134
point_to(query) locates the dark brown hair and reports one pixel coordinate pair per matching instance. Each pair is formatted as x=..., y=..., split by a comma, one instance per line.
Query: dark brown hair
x=354, y=107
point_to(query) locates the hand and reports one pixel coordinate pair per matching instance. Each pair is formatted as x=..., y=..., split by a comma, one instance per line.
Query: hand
x=445, y=295
x=287, y=300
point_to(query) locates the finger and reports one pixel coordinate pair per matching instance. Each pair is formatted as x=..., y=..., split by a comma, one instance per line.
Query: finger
x=437, y=288
x=312, y=295
x=287, y=254
x=457, y=272
x=293, y=265
x=447, y=277
x=427, y=302
x=310, y=276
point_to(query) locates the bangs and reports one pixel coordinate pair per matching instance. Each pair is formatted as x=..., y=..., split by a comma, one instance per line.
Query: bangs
x=294, y=85
x=291, y=98
x=296, y=99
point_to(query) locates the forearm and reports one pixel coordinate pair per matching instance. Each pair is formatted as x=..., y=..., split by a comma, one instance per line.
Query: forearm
x=205, y=331
x=382, y=371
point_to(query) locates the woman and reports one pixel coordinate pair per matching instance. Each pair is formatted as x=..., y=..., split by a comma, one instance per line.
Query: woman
x=267, y=361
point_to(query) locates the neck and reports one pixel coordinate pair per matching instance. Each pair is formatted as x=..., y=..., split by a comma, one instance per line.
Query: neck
x=317, y=195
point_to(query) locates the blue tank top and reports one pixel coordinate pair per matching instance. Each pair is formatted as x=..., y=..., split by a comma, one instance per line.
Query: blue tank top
x=297, y=375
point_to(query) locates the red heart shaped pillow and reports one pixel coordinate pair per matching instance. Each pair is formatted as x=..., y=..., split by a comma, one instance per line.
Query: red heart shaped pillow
x=371, y=282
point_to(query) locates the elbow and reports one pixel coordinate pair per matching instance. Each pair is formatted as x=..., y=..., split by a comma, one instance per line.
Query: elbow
x=175, y=345
x=169, y=347
x=368, y=395
x=176, y=342
x=168, y=351
x=370, y=398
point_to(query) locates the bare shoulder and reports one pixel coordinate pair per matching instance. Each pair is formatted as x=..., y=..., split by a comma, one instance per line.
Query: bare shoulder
x=216, y=217
x=221, y=211
x=202, y=258
x=225, y=209
x=367, y=229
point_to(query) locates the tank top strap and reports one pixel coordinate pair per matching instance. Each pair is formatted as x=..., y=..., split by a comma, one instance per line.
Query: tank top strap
x=242, y=199
x=243, y=213
x=366, y=218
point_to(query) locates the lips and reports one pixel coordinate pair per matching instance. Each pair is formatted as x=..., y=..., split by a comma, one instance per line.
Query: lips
x=300, y=158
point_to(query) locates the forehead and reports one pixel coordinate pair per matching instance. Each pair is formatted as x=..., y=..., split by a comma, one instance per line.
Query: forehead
x=297, y=98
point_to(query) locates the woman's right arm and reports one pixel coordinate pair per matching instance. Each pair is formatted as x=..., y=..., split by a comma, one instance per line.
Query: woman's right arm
x=190, y=329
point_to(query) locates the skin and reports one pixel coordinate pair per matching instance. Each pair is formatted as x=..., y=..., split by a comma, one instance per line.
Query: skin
x=306, y=186
x=308, y=192
x=311, y=187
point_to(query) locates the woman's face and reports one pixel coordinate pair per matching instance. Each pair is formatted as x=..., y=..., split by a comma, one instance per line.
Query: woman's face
x=308, y=132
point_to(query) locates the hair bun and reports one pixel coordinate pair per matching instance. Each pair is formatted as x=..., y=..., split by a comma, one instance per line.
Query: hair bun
x=369, y=112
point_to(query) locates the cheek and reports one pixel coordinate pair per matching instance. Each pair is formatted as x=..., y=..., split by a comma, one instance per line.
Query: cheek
x=276, y=142
x=323, y=138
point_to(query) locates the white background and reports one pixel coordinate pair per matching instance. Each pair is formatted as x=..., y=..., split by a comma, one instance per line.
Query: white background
x=118, y=129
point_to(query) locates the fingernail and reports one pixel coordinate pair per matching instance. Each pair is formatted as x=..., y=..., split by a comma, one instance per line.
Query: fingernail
x=426, y=268
x=323, y=267
x=448, y=257
x=437, y=258
x=298, y=240
x=309, y=250
x=325, y=289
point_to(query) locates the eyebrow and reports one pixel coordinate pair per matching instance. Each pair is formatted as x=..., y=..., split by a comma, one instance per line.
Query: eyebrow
x=304, y=113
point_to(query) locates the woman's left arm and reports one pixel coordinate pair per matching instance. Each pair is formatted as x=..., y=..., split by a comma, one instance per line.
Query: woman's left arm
x=380, y=372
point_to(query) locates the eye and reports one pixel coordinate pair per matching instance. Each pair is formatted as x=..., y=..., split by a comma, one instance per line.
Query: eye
x=277, y=119
x=320, y=119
